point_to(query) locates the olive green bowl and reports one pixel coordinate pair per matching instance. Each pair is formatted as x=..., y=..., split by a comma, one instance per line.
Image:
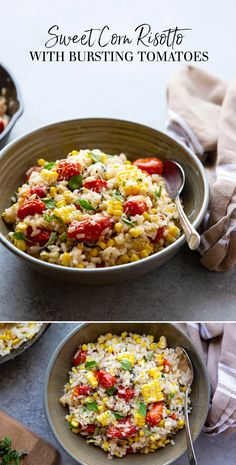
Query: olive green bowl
x=112, y=136
x=57, y=377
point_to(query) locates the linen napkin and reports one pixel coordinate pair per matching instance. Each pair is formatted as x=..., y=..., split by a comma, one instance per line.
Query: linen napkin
x=216, y=343
x=201, y=114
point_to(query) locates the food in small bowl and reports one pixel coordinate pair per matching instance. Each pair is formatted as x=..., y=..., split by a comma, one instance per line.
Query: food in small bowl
x=93, y=210
x=125, y=394
x=11, y=106
x=14, y=335
x=4, y=118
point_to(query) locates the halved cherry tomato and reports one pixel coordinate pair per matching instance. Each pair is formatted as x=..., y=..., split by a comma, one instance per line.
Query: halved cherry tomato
x=42, y=238
x=173, y=416
x=152, y=165
x=38, y=190
x=80, y=357
x=135, y=206
x=95, y=185
x=159, y=235
x=67, y=169
x=166, y=362
x=155, y=414
x=30, y=208
x=89, y=229
x=126, y=394
x=90, y=429
x=127, y=430
x=2, y=127
x=105, y=379
x=82, y=391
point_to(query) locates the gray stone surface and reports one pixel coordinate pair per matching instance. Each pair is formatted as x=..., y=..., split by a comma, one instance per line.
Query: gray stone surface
x=21, y=394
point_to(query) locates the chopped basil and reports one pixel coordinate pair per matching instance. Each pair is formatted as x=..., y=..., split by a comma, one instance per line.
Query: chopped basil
x=55, y=217
x=51, y=240
x=92, y=407
x=47, y=217
x=84, y=204
x=110, y=391
x=50, y=165
x=171, y=395
x=96, y=157
x=75, y=182
x=63, y=237
x=96, y=432
x=142, y=409
x=91, y=364
x=158, y=193
x=150, y=355
x=8, y=455
x=118, y=196
x=118, y=415
x=127, y=221
x=50, y=203
x=147, y=431
x=126, y=365
x=19, y=235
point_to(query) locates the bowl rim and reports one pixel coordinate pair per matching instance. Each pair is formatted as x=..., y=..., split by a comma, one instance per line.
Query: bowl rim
x=20, y=110
x=63, y=342
x=108, y=269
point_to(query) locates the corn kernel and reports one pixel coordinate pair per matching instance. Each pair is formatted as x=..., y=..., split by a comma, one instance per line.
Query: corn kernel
x=144, y=253
x=105, y=446
x=74, y=152
x=21, y=226
x=181, y=423
x=124, y=259
x=65, y=259
x=162, y=343
x=118, y=227
x=53, y=192
x=80, y=265
x=146, y=215
x=65, y=213
x=141, y=433
x=84, y=347
x=93, y=252
x=44, y=255
x=91, y=378
x=41, y=162
x=159, y=359
x=117, y=212
x=20, y=244
x=74, y=423
x=124, y=334
x=101, y=244
x=61, y=203
x=136, y=232
x=134, y=257
x=110, y=243
x=49, y=176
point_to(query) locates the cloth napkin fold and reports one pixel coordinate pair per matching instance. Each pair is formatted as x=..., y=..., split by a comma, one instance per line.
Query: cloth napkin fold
x=201, y=114
x=216, y=343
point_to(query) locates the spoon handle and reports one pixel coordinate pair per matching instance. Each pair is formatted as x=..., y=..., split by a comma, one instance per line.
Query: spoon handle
x=192, y=236
x=191, y=454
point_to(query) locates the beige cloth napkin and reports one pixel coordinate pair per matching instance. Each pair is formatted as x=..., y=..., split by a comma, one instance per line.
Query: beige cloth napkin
x=216, y=343
x=202, y=114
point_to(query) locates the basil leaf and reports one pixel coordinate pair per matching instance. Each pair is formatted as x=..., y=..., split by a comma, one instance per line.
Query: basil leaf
x=96, y=432
x=118, y=196
x=118, y=415
x=147, y=431
x=126, y=221
x=110, y=391
x=19, y=235
x=50, y=203
x=150, y=355
x=91, y=364
x=158, y=193
x=92, y=407
x=96, y=157
x=84, y=204
x=75, y=182
x=171, y=395
x=126, y=365
x=51, y=240
x=55, y=217
x=47, y=217
x=49, y=166
x=63, y=237
x=142, y=409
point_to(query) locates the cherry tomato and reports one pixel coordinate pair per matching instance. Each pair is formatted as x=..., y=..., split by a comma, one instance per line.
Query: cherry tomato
x=82, y=391
x=42, y=238
x=166, y=362
x=129, y=450
x=155, y=414
x=126, y=430
x=30, y=208
x=173, y=416
x=89, y=229
x=38, y=190
x=159, y=235
x=90, y=429
x=152, y=165
x=126, y=394
x=67, y=169
x=135, y=206
x=80, y=357
x=2, y=127
x=95, y=185
x=105, y=379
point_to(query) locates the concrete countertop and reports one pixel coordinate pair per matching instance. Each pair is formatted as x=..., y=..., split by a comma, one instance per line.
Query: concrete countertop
x=21, y=394
x=182, y=289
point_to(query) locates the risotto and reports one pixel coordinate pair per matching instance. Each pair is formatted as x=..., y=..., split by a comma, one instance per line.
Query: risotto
x=13, y=335
x=125, y=394
x=93, y=210
x=4, y=118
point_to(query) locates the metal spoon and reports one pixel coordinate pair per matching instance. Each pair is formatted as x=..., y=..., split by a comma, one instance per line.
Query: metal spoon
x=175, y=179
x=187, y=375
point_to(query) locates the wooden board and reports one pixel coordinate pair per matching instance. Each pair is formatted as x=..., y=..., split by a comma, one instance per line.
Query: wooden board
x=23, y=440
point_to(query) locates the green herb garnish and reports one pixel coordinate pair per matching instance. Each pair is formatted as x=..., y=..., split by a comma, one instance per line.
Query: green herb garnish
x=19, y=235
x=84, y=204
x=150, y=355
x=63, y=237
x=47, y=217
x=50, y=203
x=92, y=407
x=96, y=432
x=96, y=157
x=118, y=415
x=8, y=455
x=91, y=364
x=118, y=196
x=51, y=240
x=75, y=182
x=171, y=396
x=110, y=391
x=147, y=431
x=158, y=193
x=50, y=165
x=142, y=409
x=126, y=365
x=127, y=221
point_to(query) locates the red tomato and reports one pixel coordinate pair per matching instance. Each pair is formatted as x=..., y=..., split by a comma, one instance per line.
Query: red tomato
x=42, y=238
x=126, y=430
x=67, y=169
x=95, y=184
x=89, y=229
x=173, y=416
x=82, y=391
x=79, y=357
x=2, y=127
x=129, y=450
x=90, y=429
x=155, y=414
x=38, y=190
x=166, y=362
x=30, y=208
x=152, y=165
x=105, y=379
x=135, y=206
x=159, y=235
x=126, y=394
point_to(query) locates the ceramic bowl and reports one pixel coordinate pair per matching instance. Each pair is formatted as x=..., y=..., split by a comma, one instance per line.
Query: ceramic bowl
x=25, y=346
x=57, y=376
x=112, y=136
x=14, y=98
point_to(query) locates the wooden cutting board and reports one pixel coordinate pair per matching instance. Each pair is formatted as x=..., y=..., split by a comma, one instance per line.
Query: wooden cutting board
x=23, y=440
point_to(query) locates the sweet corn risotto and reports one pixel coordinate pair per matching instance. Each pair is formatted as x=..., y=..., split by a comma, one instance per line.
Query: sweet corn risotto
x=124, y=394
x=13, y=335
x=4, y=118
x=93, y=210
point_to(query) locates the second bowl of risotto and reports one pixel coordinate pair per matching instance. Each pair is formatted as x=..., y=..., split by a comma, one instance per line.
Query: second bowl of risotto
x=91, y=204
